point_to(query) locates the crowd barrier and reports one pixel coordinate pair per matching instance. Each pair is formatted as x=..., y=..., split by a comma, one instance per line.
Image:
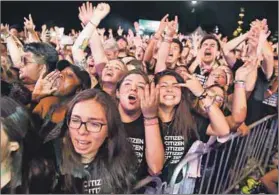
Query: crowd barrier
x=219, y=166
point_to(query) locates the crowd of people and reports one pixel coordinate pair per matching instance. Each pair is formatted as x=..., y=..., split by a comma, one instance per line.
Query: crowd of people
x=91, y=113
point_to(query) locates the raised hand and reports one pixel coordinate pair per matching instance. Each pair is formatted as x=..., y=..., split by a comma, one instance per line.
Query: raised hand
x=4, y=29
x=29, y=24
x=85, y=12
x=193, y=84
x=45, y=85
x=44, y=27
x=197, y=38
x=101, y=11
x=149, y=100
x=163, y=24
x=172, y=27
x=120, y=31
x=57, y=32
x=246, y=69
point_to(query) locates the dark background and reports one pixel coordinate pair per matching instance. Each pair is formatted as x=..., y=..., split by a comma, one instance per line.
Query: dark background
x=207, y=14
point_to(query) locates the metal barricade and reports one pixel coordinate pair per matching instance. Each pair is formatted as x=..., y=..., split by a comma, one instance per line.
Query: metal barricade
x=225, y=165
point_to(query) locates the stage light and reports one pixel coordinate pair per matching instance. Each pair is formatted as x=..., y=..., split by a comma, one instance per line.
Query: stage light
x=194, y=2
x=240, y=22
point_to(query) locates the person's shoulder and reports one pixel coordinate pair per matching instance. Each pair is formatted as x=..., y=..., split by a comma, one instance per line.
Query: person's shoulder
x=49, y=100
x=44, y=105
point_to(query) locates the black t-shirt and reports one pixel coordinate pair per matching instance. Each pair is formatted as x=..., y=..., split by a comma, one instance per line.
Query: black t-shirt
x=136, y=136
x=175, y=149
x=90, y=184
x=93, y=184
x=201, y=77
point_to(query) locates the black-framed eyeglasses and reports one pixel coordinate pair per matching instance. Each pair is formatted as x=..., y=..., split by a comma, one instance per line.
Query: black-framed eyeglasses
x=91, y=126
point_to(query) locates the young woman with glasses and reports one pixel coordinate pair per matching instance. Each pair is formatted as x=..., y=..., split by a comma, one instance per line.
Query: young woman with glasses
x=96, y=156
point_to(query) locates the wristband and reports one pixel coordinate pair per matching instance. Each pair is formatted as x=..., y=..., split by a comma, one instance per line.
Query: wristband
x=238, y=81
x=239, y=84
x=95, y=22
x=151, y=122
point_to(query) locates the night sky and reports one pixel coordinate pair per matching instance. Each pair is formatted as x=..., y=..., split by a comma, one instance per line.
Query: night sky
x=207, y=14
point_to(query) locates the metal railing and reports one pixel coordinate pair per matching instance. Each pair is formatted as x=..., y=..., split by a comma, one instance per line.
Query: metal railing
x=224, y=165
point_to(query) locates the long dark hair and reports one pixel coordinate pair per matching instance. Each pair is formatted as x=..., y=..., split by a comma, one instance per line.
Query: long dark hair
x=183, y=123
x=16, y=123
x=115, y=158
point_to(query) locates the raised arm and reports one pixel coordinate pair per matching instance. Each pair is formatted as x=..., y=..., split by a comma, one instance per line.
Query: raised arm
x=154, y=149
x=95, y=40
x=85, y=15
x=232, y=44
x=14, y=50
x=264, y=50
x=165, y=45
x=30, y=26
x=163, y=55
x=157, y=36
x=239, y=104
x=99, y=53
x=195, y=63
x=45, y=34
x=218, y=124
x=148, y=54
x=110, y=33
x=268, y=61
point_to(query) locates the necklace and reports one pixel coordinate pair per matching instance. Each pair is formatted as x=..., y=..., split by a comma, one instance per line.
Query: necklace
x=168, y=126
